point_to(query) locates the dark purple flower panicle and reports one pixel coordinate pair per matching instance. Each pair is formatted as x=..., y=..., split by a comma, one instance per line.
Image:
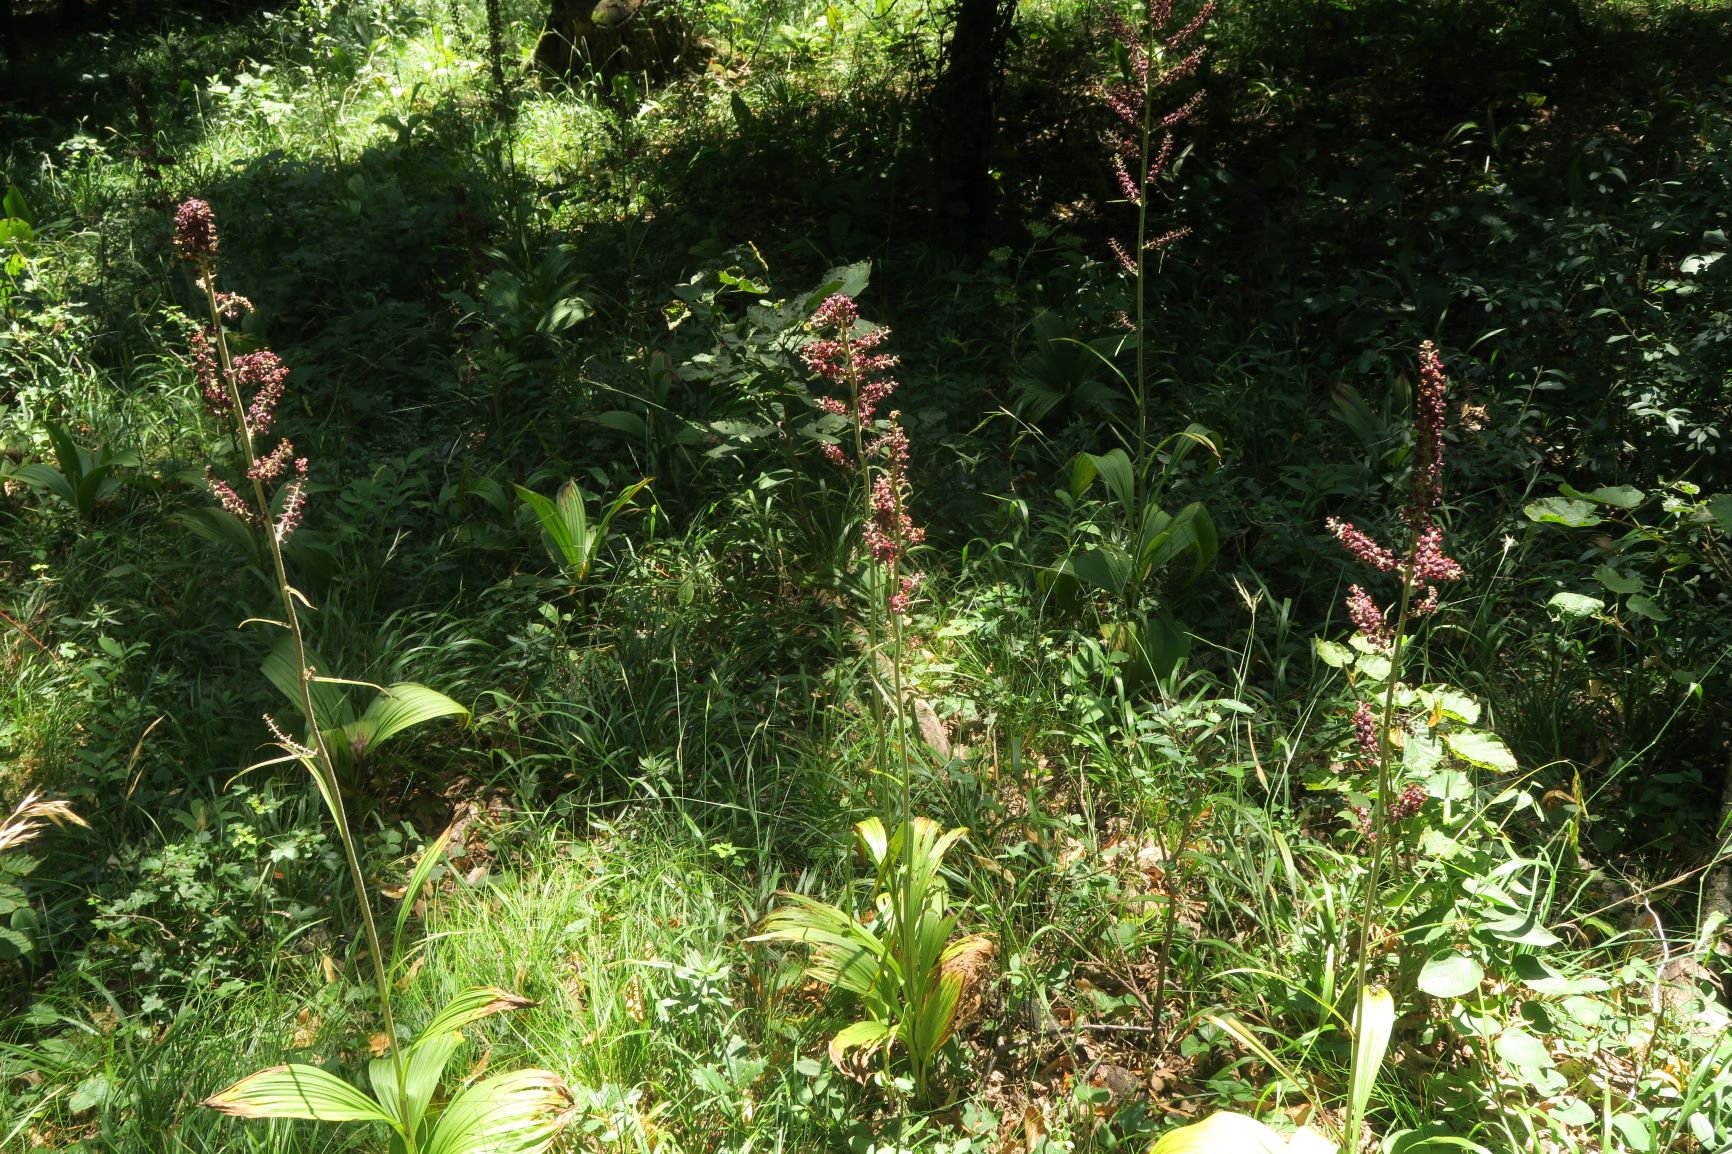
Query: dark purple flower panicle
x=257, y=378
x=1365, y=729
x=1428, y=417
x=1409, y=803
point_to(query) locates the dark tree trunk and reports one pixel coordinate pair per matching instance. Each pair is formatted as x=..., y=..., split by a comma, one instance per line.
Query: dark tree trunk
x=963, y=119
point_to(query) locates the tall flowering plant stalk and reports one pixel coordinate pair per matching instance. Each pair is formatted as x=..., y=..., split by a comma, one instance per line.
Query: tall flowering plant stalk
x=905, y=963
x=519, y=1112
x=1422, y=568
x=242, y=392
x=1156, y=56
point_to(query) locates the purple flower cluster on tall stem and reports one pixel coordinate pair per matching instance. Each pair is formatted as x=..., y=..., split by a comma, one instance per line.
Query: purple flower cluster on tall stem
x=1426, y=566
x=243, y=391
x=1143, y=147
x=847, y=360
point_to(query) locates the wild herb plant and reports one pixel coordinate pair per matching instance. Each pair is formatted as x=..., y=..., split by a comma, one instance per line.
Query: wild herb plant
x=1147, y=542
x=519, y=1112
x=901, y=960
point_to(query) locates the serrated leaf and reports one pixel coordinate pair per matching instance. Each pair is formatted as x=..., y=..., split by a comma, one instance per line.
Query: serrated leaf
x=298, y=1091
x=1374, y=666
x=1450, y=975
x=1720, y=508
x=91, y=1093
x=1482, y=749
x=1618, y=496
x=1618, y=582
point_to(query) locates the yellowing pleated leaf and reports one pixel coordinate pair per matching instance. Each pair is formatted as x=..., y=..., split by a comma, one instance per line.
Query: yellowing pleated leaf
x=297, y=1092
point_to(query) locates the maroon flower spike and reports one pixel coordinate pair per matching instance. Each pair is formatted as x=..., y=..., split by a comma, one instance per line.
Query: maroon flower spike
x=195, y=237
x=208, y=375
x=1131, y=102
x=1356, y=542
x=263, y=374
x=1365, y=729
x=1366, y=616
x=1428, y=418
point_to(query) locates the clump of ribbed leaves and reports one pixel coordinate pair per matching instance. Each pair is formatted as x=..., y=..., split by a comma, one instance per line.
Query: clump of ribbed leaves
x=905, y=964
x=517, y=1112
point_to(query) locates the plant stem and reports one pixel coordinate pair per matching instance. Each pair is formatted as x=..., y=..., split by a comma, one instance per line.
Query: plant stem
x=320, y=764
x=1379, y=817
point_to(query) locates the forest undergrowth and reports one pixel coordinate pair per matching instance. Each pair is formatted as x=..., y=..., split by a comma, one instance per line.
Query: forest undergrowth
x=646, y=612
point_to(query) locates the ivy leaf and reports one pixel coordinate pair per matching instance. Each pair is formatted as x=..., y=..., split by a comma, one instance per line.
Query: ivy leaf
x=1482, y=749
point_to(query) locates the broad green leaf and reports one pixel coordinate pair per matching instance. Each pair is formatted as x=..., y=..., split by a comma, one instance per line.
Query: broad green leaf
x=48, y=478
x=1103, y=567
x=1520, y=1048
x=1617, y=582
x=1114, y=467
x=873, y=840
x=298, y=1091
x=433, y=855
x=330, y=702
x=517, y=1113
x=1562, y=511
x=1575, y=605
x=471, y=1005
x=1482, y=749
x=1453, y=703
x=1332, y=653
x=400, y=707
x=1646, y=607
x=1450, y=975
x=562, y=549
